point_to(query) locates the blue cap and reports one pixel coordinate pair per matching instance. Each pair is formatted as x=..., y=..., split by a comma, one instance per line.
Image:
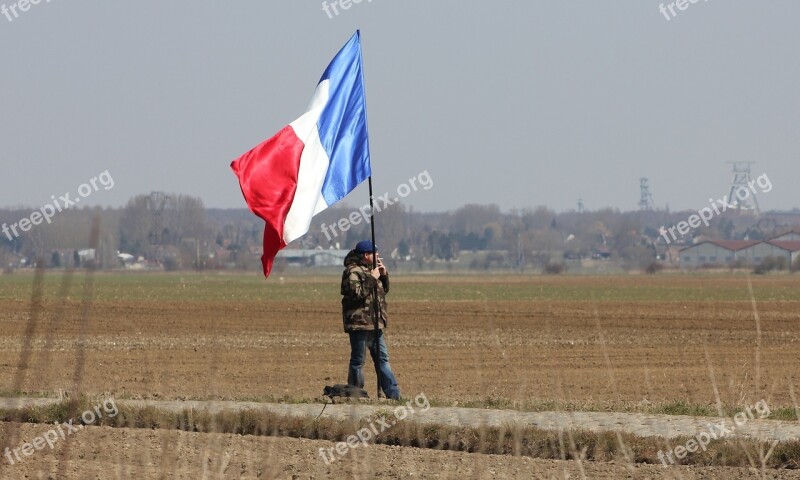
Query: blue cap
x=365, y=246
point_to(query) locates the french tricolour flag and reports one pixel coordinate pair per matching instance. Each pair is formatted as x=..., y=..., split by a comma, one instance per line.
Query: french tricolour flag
x=314, y=161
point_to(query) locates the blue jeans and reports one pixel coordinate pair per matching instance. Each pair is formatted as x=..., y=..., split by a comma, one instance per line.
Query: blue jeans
x=360, y=341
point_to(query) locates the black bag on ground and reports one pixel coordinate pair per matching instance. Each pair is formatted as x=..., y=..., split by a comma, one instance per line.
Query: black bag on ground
x=344, y=391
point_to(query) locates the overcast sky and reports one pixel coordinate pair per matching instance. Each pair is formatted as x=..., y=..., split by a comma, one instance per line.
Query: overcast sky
x=517, y=103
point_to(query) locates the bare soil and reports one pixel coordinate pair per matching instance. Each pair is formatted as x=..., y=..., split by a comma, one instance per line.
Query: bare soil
x=453, y=351
x=102, y=453
x=463, y=347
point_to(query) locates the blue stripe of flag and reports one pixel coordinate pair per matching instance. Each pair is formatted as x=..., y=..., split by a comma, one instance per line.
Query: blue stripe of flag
x=343, y=124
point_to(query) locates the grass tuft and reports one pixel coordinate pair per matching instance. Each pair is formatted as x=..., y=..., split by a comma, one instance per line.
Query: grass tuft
x=504, y=440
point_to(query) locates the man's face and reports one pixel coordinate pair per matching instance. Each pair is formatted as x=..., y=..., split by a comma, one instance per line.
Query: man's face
x=368, y=256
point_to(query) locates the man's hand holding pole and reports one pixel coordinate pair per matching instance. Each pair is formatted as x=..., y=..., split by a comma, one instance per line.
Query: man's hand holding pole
x=381, y=267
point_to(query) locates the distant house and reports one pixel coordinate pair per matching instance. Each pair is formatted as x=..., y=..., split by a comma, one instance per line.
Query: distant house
x=87, y=254
x=601, y=252
x=713, y=252
x=313, y=258
x=755, y=254
x=792, y=236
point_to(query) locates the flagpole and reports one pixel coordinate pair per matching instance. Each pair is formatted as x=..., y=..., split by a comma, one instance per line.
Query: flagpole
x=375, y=303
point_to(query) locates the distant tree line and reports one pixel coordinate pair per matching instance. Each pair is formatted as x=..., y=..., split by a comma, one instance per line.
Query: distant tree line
x=174, y=231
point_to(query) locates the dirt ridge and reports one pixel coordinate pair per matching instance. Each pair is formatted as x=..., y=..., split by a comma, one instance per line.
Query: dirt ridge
x=643, y=425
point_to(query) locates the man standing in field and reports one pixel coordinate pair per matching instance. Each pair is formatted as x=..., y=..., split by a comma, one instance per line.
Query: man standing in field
x=359, y=284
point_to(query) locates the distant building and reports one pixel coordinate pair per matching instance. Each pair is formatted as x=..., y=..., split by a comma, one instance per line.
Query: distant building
x=755, y=254
x=793, y=236
x=743, y=252
x=313, y=258
x=601, y=252
x=87, y=254
x=713, y=252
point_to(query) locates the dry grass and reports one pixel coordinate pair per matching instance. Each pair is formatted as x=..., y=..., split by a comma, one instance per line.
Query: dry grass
x=687, y=345
x=506, y=440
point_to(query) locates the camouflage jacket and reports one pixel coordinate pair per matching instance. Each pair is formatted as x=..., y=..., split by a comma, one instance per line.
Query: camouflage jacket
x=358, y=287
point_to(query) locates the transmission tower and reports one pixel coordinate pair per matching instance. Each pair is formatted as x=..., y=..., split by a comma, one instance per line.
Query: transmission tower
x=645, y=197
x=580, y=205
x=156, y=204
x=742, y=197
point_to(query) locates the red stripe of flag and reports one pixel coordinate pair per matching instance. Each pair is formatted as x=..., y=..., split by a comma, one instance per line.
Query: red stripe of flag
x=268, y=178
